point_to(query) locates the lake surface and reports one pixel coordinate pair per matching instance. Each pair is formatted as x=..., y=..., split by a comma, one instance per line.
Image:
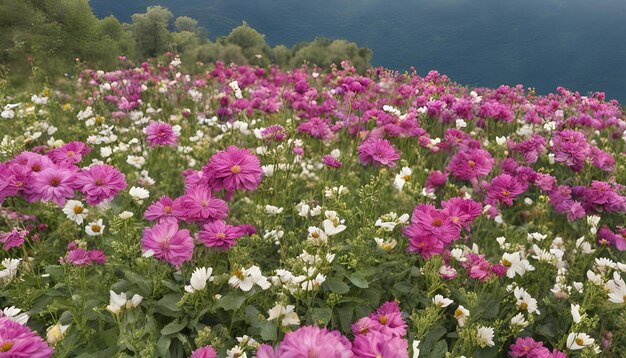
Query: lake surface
x=579, y=44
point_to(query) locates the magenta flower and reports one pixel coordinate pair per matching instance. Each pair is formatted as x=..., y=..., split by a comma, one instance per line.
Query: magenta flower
x=17, y=340
x=14, y=238
x=168, y=243
x=8, y=183
x=364, y=325
x=32, y=161
x=504, y=189
x=219, y=234
x=77, y=257
x=99, y=183
x=51, y=184
x=274, y=132
x=204, y=352
x=571, y=148
x=462, y=211
x=160, y=133
x=470, y=164
x=316, y=128
x=389, y=320
x=330, y=161
x=162, y=209
x=428, y=220
x=378, y=151
x=200, y=205
x=312, y=341
x=234, y=169
x=266, y=351
x=378, y=345
x=70, y=153
x=435, y=179
x=529, y=348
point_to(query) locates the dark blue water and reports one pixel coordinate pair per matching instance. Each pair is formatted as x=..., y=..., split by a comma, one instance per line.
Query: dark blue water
x=579, y=44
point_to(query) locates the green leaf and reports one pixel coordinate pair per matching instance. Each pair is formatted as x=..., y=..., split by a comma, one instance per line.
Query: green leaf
x=439, y=350
x=358, y=280
x=142, y=283
x=321, y=315
x=168, y=305
x=345, y=313
x=337, y=286
x=174, y=327
x=268, y=330
x=230, y=302
x=163, y=345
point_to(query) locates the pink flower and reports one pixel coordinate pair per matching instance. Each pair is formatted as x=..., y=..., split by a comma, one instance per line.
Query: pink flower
x=168, y=243
x=462, y=211
x=529, y=348
x=219, y=234
x=234, y=169
x=77, y=257
x=316, y=128
x=99, y=183
x=8, y=183
x=470, y=164
x=266, y=351
x=428, y=220
x=330, y=161
x=364, y=325
x=504, y=188
x=389, y=319
x=378, y=345
x=312, y=341
x=204, y=352
x=17, y=340
x=200, y=205
x=274, y=132
x=51, y=184
x=160, y=133
x=162, y=209
x=571, y=148
x=14, y=238
x=70, y=153
x=378, y=151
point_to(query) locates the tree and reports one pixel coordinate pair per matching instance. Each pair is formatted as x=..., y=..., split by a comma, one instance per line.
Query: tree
x=186, y=23
x=150, y=31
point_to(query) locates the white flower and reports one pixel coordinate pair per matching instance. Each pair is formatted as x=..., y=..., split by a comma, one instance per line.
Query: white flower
x=55, y=333
x=116, y=302
x=106, y=152
x=10, y=268
x=461, y=314
x=199, y=278
x=246, y=279
x=95, y=228
x=500, y=140
x=236, y=352
x=273, y=210
x=317, y=236
x=134, y=301
x=289, y=317
x=316, y=211
x=576, y=341
x=75, y=211
x=313, y=282
x=575, y=310
x=617, y=289
x=525, y=302
x=460, y=123
x=485, y=336
x=519, y=320
x=124, y=215
x=14, y=314
x=515, y=265
x=403, y=177
x=416, y=350
x=136, y=161
x=138, y=194
x=441, y=301
x=387, y=245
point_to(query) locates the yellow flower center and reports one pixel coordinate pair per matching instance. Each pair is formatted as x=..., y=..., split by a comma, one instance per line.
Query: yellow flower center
x=55, y=181
x=95, y=228
x=506, y=263
x=383, y=319
x=471, y=163
x=579, y=341
x=70, y=153
x=458, y=313
x=78, y=209
x=505, y=192
x=167, y=209
x=437, y=222
x=235, y=169
x=238, y=274
x=220, y=235
x=406, y=177
x=6, y=346
x=523, y=306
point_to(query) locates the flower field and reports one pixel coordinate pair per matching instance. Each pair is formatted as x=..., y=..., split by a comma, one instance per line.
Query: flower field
x=246, y=212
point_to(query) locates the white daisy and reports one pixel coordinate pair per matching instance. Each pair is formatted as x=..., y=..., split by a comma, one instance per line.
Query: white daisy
x=576, y=341
x=484, y=335
x=75, y=211
x=95, y=228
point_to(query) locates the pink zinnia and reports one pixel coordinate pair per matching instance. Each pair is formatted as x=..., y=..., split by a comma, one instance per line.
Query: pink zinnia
x=200, y=205
x=77, y=257
x=8, y=183
x=204, y=352
x=470, y=164
x=51, y=184
x=160, y=133
x=504, y=188
x=312, y=341
x=331, y=161
x=571, y=148
x=429, y=220
x=168, y=243
x=234, y=169
x=14, y=238
x=99, y=183
x=17, y=340
x=219, y=234
x=378, y=151
x=379, y=345
x=71, y=153
x=33, y=161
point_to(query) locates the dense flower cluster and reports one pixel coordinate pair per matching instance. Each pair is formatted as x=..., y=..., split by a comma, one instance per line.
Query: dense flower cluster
x=245, y=211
